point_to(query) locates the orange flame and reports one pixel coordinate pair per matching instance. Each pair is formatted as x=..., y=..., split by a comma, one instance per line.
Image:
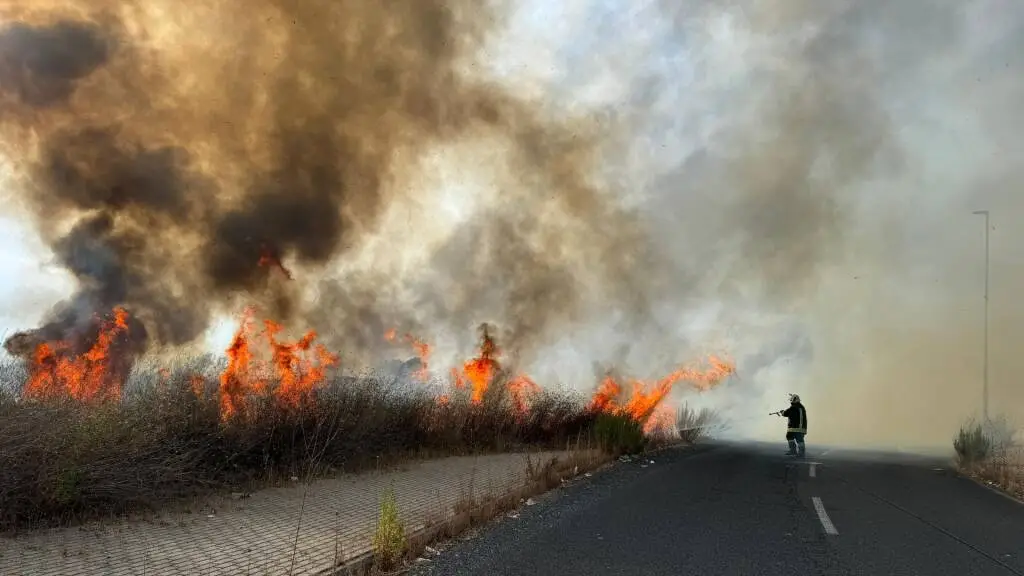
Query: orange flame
x=522, y=389
x=482, y=369
x=646, y=397
x=422, y=352
x=604, y=398
x=268, y=258
x=662, y=420
x=299, y=368
x=87, y=377
x=198, y=385
x=234, y=381
x=457, y=379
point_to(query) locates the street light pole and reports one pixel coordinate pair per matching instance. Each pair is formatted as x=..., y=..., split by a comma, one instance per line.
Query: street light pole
x=984, y=389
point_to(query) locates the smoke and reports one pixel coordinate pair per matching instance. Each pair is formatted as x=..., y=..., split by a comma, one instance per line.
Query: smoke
x=167, y=160
x=788, y=181
x=813, y=166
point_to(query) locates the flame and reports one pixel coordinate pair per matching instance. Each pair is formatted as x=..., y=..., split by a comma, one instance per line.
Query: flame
x=299, y=368
x=522, y=389
x=645, y=398
x=269, y=258
x=234, y=381
x=422, y=352
x=457, y=379
x=198, y=385
x=88, y=377
x=482, y=369
x=479, y=372
x=604, y=398
x=662, y=420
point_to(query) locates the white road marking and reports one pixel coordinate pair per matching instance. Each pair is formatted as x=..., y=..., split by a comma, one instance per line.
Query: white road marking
x=814, y=469
x=825, y=452
x=826, y=523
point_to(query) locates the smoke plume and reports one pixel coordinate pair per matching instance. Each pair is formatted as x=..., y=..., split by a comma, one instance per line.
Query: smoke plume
x=169, y=157
x=814, y=166
x=610, y=184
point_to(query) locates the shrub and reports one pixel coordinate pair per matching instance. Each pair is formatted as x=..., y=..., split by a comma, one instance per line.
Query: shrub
x=389, y=539
x=62, y=460
x=619, y=433
x=695, y=425
x=971, y=444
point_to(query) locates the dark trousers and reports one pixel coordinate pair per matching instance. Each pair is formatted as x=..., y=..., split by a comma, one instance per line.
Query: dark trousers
x=796, y=442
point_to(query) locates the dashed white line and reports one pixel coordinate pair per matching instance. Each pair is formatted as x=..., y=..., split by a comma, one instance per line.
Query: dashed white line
x=826, y=522
x=814, y=469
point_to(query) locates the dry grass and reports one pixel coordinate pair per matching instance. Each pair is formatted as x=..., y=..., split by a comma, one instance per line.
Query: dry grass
x=1005, y=470
x=61, y=461
x=472, y=510
x=696, y=425
x=988, y=452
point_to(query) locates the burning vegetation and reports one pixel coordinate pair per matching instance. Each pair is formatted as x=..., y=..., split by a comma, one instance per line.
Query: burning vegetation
x=260, y=365
x=172, y=180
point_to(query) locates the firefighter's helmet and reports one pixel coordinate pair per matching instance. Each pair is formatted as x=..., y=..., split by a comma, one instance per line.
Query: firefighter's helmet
x=793, y=398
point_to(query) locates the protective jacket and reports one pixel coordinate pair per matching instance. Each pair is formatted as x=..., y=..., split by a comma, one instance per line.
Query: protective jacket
x=797, y=415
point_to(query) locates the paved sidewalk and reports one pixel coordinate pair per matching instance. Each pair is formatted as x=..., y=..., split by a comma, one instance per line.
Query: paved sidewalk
x=297, y=530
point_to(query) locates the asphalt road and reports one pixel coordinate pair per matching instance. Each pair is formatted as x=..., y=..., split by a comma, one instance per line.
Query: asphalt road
x=730, y=509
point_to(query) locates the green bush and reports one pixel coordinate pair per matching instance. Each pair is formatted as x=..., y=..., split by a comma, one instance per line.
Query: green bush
x=972, y=445
x=389, y=539
x=619, y=433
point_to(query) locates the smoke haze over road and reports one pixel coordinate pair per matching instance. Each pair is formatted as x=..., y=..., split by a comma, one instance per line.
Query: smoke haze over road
x=632, y=185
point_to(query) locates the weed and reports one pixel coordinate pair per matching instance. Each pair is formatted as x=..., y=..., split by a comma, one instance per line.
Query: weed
x=695, y=425
x=971, y=445
x=389, y=542
x=619, y=433
x=63, y=461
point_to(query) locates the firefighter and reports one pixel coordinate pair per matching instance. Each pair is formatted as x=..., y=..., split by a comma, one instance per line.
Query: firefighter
x=797, y=427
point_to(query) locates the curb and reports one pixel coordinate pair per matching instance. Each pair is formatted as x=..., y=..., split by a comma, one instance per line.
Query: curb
x=995, y=488
x=363, y=564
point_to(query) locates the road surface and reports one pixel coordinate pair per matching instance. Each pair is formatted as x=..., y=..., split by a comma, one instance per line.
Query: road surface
x=731, y=509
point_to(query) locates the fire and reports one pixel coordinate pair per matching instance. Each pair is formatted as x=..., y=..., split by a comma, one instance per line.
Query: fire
x=422, y=352
x=604, y=398
x=480, y=372
x=482, y=369
x=645, y=398
x=662, y=420
x=198, y=385
x=234, y=381
x=457, y=379
x=56, y=371
x=269, y=258
x=522, y=388
x=299, y=368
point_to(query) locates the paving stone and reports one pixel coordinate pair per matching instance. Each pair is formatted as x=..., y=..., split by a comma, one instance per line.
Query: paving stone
x=299, y=530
